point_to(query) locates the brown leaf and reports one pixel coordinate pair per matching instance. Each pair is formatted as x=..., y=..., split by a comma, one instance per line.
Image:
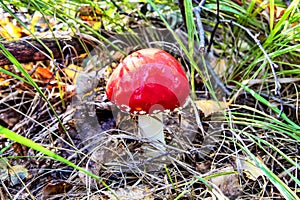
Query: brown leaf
x=228, y=183
x=91, y=15
x=57, y=188
x=20, y=149
x=278, y=13
x=209, y=107
x=203, y=167
x=3, y=195
x=43, y=73
x=10, y=117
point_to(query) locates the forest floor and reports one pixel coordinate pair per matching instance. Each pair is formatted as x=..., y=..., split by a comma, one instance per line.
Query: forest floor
x=236, y=137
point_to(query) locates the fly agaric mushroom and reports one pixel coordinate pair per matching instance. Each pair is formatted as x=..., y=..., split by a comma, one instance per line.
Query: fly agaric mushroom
x=146, y=83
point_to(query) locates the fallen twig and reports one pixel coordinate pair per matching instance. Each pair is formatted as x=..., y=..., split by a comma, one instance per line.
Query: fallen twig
x=197, y=11
x=215, y=28
x=31, y=50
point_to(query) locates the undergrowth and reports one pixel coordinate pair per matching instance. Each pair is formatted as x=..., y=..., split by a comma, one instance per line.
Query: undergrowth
x=247, y=56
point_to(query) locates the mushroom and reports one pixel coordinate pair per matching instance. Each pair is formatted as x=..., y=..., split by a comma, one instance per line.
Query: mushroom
x=146, y=83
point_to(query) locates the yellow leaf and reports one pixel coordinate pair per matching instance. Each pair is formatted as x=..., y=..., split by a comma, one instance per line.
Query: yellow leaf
x=250, y=169
x=27, y=66
x=72, y=72
x=97, y=25
x=37, y=16
x=209, y=107
x=4, y=82
x=11, y=32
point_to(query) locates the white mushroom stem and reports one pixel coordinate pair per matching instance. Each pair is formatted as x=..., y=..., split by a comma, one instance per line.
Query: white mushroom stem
x=152, y=127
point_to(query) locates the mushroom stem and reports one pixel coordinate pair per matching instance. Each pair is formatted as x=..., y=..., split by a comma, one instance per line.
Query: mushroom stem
x=151, y=127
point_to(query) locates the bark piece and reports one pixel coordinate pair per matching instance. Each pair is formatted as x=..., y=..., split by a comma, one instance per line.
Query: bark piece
x=32, y=50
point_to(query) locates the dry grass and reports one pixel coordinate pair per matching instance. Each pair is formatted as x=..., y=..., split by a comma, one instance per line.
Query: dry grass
x=244, y=152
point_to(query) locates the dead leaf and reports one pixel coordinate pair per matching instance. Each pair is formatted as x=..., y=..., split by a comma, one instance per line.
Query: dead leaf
x=10, y=117
x=203, y=167
x=27, y=66
x=3, y=195
x=4, y=82
x=133, y=193
x=20, y=149
x=17, y=174
x=209, y=107
x=91, y=15
x=72, y=71
x=61, y=187
x=43, y=73
x=251, y=170
x=228, y=183
x=3, y=169
x=36, y=20
x=10, y=31
x=278, y=12
x=239, y=2
x=219, y=66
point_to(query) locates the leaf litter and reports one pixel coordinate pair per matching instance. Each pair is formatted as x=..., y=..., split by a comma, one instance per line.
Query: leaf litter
x=188, y=159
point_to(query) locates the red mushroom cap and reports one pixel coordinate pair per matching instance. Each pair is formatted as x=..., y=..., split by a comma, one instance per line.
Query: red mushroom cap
x=148, y=81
